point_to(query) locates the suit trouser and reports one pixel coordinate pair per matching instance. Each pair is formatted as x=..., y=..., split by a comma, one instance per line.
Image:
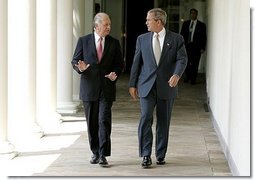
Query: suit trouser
x=145, y=134
x=99, y=123
x=194, y=56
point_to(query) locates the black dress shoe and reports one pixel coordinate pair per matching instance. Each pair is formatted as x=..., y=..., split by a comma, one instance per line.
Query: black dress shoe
x=103, y=162
x=94, y=159
x=146, y=162
x=161, y=161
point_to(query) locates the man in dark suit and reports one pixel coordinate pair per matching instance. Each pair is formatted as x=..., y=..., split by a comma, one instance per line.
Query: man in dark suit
x=99, y=60
x=154, y=77
x=194, y=33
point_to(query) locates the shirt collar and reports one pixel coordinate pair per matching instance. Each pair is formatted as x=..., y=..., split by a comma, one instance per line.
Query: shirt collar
x=162, y=33
x=194, y=21
x=97, y=36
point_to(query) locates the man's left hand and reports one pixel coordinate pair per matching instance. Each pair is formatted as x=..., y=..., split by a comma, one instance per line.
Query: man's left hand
x=173, y=81
x=112, y=76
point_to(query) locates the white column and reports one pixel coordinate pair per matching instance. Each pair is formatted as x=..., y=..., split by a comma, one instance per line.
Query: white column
x=5, y=145
x=65, y=102
x=78, y=31
x=21, y=72
x=83, y=14
x=46, y=64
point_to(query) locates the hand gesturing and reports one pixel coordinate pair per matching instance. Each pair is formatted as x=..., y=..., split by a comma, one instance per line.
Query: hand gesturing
x=82, y=66
x=112, y=76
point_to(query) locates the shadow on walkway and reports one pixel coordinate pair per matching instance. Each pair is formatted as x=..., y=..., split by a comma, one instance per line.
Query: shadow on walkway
x=193, y=150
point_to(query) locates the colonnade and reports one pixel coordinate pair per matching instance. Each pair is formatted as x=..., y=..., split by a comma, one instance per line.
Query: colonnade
x=36, y=77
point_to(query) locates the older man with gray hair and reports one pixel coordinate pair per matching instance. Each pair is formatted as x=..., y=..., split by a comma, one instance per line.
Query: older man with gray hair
x=98, y=59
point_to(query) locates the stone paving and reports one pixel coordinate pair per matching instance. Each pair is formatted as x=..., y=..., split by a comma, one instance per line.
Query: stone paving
x=193, y=150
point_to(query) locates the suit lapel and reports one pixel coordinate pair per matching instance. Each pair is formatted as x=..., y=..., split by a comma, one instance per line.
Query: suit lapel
x=106, y=45
x=93, y=47
x=166, y=45
x=151, y=46
x=196, y=30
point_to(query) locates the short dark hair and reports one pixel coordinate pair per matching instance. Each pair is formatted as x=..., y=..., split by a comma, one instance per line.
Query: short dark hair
x=193, y=9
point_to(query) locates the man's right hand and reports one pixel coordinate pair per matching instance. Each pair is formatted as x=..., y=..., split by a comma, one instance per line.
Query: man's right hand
x=82, y=66
x=133, y=92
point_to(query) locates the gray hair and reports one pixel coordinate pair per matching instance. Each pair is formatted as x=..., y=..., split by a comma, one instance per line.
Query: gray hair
x=159, y=14
x=99, y=18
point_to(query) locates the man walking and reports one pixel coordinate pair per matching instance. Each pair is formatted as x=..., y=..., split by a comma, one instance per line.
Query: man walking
x=159, y=62
x=99, y=60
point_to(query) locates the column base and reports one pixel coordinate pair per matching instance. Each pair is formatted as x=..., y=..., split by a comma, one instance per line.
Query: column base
x=7, y=150
x=67, y=107
x=26, y=136
x=50, y=123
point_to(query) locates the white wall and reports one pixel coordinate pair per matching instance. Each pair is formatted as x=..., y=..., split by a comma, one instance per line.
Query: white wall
x=228, y=78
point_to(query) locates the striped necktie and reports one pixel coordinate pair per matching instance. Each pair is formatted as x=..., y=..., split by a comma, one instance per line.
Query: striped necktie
x=156, y=48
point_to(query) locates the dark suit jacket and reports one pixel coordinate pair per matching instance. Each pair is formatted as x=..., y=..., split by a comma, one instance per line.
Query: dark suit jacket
x=145, y=72
x=199, y=37
x=93, y=79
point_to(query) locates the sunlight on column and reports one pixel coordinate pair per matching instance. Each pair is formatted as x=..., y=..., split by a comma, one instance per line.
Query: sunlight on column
x=21, y=69
x=76, y=24
x=46, y=64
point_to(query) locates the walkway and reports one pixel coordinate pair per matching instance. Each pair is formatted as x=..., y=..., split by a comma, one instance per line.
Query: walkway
x=194, y=149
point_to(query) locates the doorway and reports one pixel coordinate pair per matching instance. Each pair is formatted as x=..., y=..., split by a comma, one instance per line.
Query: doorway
x=134, y=21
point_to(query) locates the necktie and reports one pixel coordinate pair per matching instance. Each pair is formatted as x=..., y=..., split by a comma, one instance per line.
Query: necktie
x=190, y=31
x=156, y=48
x=99, y=49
